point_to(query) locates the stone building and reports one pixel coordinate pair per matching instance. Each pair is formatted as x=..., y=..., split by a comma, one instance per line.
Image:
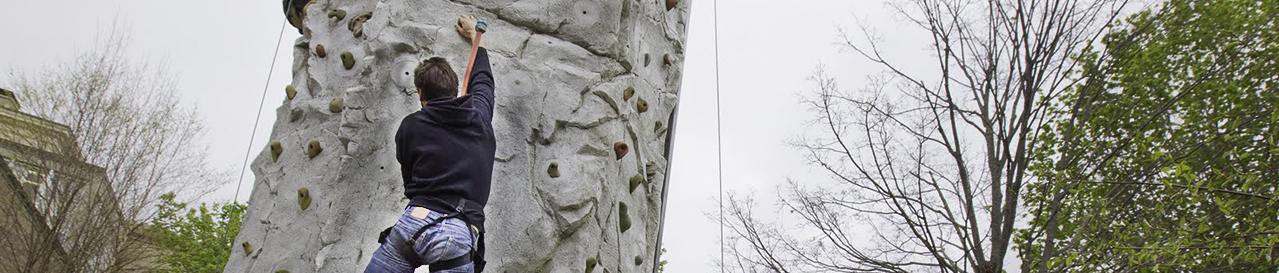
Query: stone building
x=50, y=200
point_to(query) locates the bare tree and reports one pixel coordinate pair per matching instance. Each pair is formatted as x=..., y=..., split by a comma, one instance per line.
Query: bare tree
x=139, y=142
x=928, y=165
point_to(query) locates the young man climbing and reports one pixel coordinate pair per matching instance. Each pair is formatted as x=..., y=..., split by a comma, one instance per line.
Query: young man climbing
x=446, y=154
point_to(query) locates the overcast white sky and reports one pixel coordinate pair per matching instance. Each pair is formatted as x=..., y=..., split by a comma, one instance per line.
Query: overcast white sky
x=221, y=51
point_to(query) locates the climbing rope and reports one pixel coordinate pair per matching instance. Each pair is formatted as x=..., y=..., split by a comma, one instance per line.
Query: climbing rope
x=261, y=102
x=719, y=143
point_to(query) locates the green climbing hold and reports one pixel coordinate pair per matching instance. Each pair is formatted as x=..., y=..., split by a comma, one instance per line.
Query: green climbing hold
x=276, y=150
x=319, y=51
x=313, y=149
x=553, y=170
x=641, y=105
x=337, y=14
x=348, y=60
x=590, y=264
x=337, y=104
x=290, y=91
x=620, y=149
x=636, y=181
x=624, y=219
x=304, y=198
x=645, y=59
x=626, y=94
x=248, y=248
x=281, y=271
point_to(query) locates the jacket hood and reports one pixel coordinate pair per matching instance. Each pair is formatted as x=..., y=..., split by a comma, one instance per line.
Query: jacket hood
x=453, y=112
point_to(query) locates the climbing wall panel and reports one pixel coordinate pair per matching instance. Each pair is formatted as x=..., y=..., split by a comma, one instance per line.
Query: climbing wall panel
x=584, y=89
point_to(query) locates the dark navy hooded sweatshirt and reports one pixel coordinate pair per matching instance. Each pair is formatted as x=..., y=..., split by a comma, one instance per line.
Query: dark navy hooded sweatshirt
x=446, y=150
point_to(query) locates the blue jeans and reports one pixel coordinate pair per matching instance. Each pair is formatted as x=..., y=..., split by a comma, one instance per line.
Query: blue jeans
x=449, y=239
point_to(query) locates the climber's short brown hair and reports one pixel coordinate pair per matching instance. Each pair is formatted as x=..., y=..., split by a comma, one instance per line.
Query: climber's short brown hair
x=434, y=79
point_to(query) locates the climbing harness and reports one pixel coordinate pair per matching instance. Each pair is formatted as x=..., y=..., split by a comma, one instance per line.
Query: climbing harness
x=476, y=256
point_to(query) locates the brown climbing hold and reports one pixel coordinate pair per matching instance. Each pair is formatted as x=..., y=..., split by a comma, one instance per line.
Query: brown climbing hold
x=276, y=150
x=348, y=60
x=290, y=91
x=313, y=148
x=319, y=51
x=667, y=60
x=337, y=104
x=248, y=248
x=338, y=14
x=623, y=218
x=626, y=94
x=641, y=105
x=636, y=181
x=620, y=149
x=304, y=198
x=357, y=24
x=670, y=4
x=553, y=170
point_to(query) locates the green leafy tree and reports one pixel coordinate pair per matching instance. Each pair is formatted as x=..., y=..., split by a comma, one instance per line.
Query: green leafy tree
x=1168, y=158
x=195, y=239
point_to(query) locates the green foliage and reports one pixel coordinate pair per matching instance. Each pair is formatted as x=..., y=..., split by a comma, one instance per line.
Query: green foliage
x=1168, y=158
x=195, y=239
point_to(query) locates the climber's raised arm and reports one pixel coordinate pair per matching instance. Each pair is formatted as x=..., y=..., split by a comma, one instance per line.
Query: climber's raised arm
x=480, y=84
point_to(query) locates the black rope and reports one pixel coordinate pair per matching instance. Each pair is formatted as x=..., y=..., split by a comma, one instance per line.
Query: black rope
x=719, y=142
x=261, y=102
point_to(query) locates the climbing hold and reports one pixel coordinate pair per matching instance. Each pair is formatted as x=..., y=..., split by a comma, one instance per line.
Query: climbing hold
x=304, y=198
x=337, y=104
x=657, y=126
x=281, y=271
x=645, y=59
x=319, y=51
x=641, y=105
x=636, y=181
x=639, y=260
x=626, y=94
x=667, y=59
x=276, y=150
x=590, y=264
x=348, y=60
x=553, y=170
x=620, y=149
x=670, y=4
x=624, y=219
x=650, y=170
x=357, y=24
x=248, y=248
x=313, y=149
x=341, y=14
x=290, y=91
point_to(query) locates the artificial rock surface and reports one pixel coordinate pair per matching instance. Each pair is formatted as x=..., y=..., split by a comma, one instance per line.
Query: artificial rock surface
x=572, y=80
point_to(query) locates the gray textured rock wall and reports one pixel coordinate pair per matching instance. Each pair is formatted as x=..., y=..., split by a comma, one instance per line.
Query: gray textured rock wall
x=585, y=93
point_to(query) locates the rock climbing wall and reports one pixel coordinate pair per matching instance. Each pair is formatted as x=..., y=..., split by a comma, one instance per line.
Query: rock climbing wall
x=586, y=91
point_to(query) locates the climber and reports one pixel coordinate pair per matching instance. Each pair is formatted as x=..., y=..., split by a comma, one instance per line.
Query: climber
x=295, y=12
x=446, y=154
